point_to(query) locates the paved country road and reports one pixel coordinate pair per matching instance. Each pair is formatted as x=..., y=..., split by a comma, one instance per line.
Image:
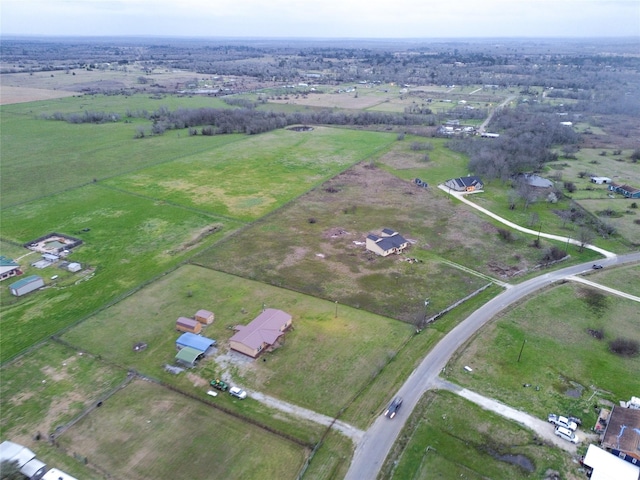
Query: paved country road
x=378, y=439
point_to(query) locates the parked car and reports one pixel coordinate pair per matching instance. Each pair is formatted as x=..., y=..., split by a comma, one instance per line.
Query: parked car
x=596, y=266
x=238, y=392
x=567, y=434
x=393, y=407
x=564, y=422
x=219, y=384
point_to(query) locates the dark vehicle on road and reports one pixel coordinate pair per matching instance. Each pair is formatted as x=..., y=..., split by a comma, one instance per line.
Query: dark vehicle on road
x=393, y=407
x=596, y=266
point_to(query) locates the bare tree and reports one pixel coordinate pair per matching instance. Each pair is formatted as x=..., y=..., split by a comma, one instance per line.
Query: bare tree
x=585, y=236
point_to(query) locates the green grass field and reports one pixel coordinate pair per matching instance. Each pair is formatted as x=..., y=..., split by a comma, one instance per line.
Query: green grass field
x=177, y=437
x=558, y=354
x=250, y=178
x=440, y=442
x=129, y=241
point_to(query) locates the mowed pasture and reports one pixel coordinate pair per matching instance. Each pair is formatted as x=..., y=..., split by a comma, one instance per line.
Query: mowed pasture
x=170, y=436
x=319, y=352
x=127, y=241
x=546, y=342
x=450, y=437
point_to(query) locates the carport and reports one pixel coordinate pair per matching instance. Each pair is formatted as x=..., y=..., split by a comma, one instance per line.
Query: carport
x=188, y=356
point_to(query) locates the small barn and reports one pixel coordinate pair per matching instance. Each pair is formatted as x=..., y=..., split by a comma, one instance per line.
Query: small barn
x=626, y=190
x=262, y=332
x=197, y=342
x=204, y=316
x=74, y=267
x=26, y=285
x=26, y=460
x=600, y=180
x=184, y=324
x=465, y=184
x=8, y=268
x=387, y=243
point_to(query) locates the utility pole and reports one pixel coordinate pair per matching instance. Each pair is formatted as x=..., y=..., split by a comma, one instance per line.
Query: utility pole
x=521, y=348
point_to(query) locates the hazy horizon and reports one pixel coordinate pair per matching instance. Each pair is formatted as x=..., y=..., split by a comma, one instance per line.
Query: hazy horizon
x=331, y=19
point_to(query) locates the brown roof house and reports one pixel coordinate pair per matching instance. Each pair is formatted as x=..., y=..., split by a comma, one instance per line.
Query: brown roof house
x=204, y=316
x=387, y=243
x=263, y=332
x=622, y=435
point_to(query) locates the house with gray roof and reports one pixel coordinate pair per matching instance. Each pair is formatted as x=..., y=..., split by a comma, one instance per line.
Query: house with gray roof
x=388, y=242
x=465, y=184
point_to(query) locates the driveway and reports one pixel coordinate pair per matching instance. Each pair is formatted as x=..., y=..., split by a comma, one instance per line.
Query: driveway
x=462, y=197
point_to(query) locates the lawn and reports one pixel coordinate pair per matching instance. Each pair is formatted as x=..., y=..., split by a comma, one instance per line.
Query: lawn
x=127, y=240
x=439, y=442
x=546, y=343
x=170, y=436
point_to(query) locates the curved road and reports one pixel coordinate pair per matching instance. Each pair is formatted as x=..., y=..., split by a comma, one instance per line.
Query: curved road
x=378, y=439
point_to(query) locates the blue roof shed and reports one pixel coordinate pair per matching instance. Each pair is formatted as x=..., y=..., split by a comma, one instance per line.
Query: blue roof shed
x=197, y=342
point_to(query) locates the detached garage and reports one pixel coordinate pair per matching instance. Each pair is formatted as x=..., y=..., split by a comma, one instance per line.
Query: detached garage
x=26, y=285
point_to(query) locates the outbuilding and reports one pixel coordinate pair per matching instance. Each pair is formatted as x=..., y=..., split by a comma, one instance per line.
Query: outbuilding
x=26, y=285
x=55, y=474
x=204, y=316
x=184, y=324
x=188, y=356
x=626, y=190
x=606, y=466
x=8, y=268
x=74, y=267
x=197, y=342
x=600, y=180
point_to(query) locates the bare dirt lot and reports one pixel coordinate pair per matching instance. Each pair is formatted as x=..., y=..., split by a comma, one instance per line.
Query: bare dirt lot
x=10, y=95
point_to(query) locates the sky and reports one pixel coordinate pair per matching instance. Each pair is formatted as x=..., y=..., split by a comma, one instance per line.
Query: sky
x=322, y=18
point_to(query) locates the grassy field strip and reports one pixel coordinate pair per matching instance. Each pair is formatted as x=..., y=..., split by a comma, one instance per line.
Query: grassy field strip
x=476, y=273
x=461, y=196
x=168, y=202
x=537, y=426
x=602, y=287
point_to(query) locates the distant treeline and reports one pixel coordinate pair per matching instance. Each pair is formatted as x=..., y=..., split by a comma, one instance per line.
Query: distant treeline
x=216, y=121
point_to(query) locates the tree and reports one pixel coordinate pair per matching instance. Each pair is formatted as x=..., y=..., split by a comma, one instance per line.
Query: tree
x=10, y=471
x=585, y=236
